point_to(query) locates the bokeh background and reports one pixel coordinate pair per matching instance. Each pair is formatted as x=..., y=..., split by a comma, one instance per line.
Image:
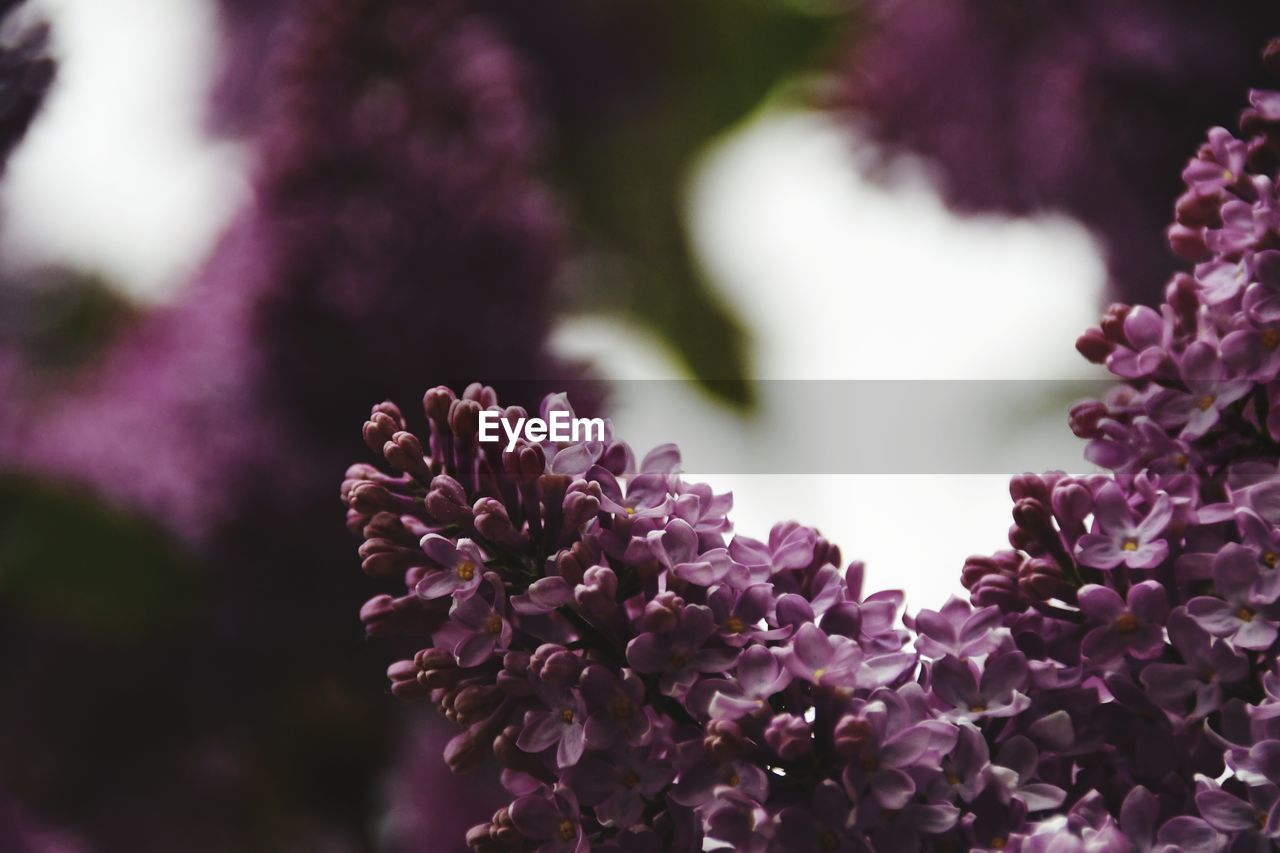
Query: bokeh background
x=228, y=227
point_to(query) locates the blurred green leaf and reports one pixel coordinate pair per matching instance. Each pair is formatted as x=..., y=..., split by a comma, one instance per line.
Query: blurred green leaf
x=66, y=558
x=62, y=318
x=674, y=76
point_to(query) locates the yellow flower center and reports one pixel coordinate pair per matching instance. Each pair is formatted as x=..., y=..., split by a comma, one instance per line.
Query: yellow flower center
x=998, y=843
x=1245, y=614
x=622, y=708
x=818, y=673
x=1271, y=338
x=630, y=510
x=1127, y=623
x=466, y=571
x=733, y=780
x=1129, y=544
x=567, y=832
x=567, y=715
x=1206, y=402
x=1271, y=558
x=630, y=779
x=734, y=625
x=977, y=709
x=493, y=624
x=1228, y=175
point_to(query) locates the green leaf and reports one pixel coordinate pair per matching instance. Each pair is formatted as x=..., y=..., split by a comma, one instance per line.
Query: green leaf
x=675, y=76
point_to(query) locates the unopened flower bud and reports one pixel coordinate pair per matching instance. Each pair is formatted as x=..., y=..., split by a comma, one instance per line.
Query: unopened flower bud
x=447, y=502
x=474, y=702
x=852, y=735
x=596, y=595
x=493, y=523
x=724, y=740
x=1183, y=295
x=1029, y=486
x=662, y=614
x=403, y=676
x=1094, y=346
x=403, y=451
x=369, y=498
x=1033, y=516
x=573, y=562
x=525, y=463
x=497, y=836
x=580, y=506
x=384, y=422
x=1072, y=502
x=480, y=393
x=391, y=527
x=436, y=404
x=437, y=668
x=468, y=750
x=998, y=591
x=1084, y=417
x=464, y=420
x=383, y=615
x=1271, y=57
x=555, y=665
x=382, y=558
x=514, y=675
x=1198, y=210
x=789, y=736
x=1112, y=323
x=1187, y=243
x=1041, y=580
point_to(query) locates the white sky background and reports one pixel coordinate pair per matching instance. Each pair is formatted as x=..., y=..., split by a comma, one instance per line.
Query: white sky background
x=117, y=173
x=836, y=277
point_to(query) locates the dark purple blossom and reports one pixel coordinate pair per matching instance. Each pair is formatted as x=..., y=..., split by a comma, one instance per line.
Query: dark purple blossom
x=967, y=695
x=1238, y=614
x=1122, y=535
x=551, y=822
x=1134, y=627
x=562, y=725
x=1023, y=107
x=458, y=568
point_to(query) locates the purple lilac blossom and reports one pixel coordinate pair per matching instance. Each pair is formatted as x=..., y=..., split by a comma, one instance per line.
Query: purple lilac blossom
x=1145, y=599
x=1078, y=106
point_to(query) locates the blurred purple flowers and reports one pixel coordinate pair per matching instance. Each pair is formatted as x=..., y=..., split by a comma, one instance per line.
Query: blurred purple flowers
x=394, y=192
x=1058, y=105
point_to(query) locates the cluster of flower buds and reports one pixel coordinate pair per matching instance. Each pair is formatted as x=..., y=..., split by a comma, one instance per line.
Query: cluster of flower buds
x=648, y=681
x=1147, y=600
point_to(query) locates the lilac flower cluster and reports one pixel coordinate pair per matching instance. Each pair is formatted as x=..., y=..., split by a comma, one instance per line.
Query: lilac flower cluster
x=1147, y=600
x=648, y=680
